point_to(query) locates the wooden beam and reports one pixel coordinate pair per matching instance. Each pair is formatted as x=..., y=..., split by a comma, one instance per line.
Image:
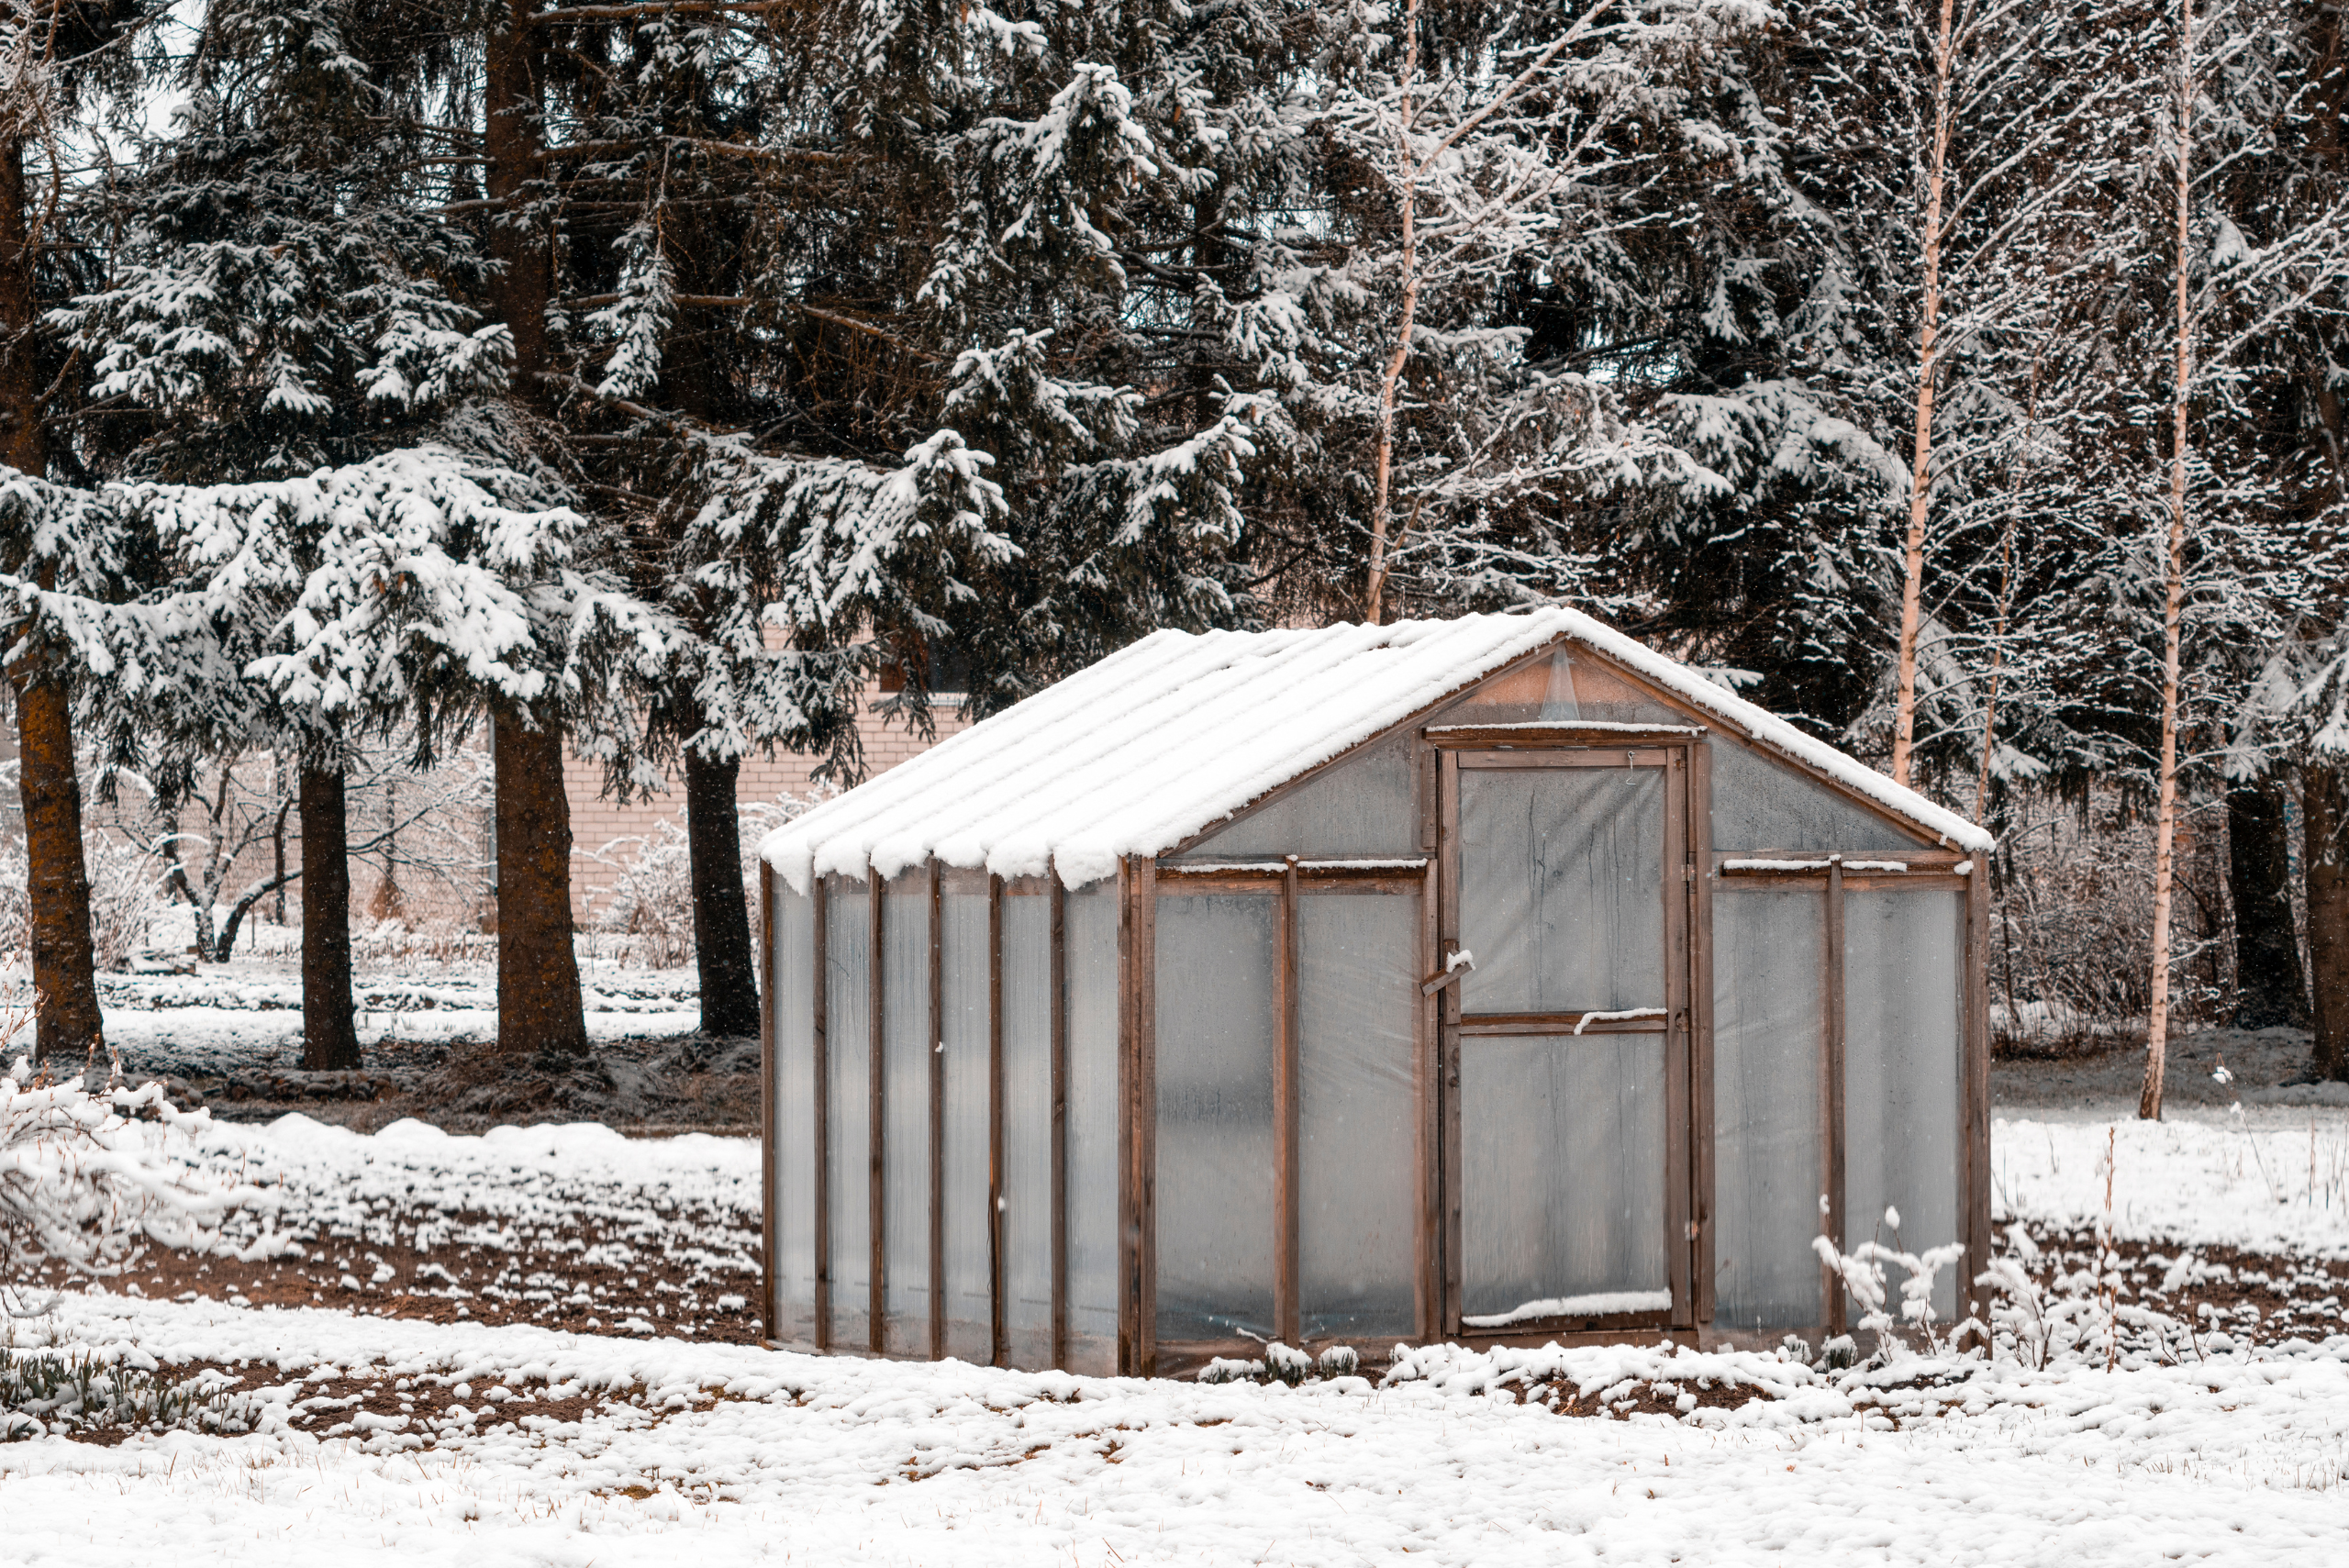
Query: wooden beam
x=1974, y=1098
x=1427, y=1131
x=1145, y=1115
x=1286, y=1309
x=1833, y=1109
x=937, y=1053
x=1446, y=1240
x=1678, y=877
x=1701, y=1012
x=1059, y=896
x=995, y=1121
x=1529, y=735
x=820, y=894
x=769, y=1144
x=876, y=1223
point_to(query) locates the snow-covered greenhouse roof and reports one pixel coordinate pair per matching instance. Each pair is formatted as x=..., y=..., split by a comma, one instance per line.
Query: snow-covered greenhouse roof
x=1166, y=738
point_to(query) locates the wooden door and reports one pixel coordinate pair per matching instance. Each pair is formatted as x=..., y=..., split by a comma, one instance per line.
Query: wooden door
x=1565, y=1038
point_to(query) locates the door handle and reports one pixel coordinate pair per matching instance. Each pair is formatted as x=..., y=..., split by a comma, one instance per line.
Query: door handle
x=1456, y=966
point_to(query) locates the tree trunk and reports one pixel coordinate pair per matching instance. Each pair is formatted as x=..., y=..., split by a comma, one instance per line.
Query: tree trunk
x=539, y=1007
x=722, y=951
x=2269, y=987
x=2149, y=1098
x=2326, y=868
x=512, y=138
x=1920, y=466
x=1382, y=464
x=329, y=1029
x=64, y=964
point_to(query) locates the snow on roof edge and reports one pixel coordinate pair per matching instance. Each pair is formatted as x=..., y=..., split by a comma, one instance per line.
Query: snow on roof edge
x=989, y=808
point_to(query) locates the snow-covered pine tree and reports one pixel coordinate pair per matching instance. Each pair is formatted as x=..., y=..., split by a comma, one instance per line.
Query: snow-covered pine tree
x=274, y=308
x=61, y=60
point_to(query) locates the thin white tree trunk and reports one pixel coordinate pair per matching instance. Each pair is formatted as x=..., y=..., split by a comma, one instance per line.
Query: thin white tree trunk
x=1920, y=467
x=1376, y=591
x=2149, y=1099
x=1998, y=661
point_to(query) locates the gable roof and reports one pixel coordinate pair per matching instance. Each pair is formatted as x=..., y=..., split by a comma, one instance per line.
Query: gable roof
x=1167, y=737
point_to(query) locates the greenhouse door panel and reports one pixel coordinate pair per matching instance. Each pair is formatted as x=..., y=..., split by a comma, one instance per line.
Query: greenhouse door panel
x=1566, y=1039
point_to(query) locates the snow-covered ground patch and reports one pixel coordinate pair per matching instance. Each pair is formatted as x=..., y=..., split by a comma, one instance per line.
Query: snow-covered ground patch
x=424, y=1442
x=2264, y=1180
x=726, y=1454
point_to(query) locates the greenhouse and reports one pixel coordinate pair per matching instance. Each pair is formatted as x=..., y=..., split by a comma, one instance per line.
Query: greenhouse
x=1493, y=979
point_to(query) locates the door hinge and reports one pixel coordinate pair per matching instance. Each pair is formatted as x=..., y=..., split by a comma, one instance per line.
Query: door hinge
x=1689, y=871
x=1693, y=1229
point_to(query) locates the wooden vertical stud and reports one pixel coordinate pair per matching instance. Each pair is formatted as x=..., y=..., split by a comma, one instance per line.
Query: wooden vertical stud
x=1058, y=895
x=877, y=1221
x=996, y=1263
x=1700, y=1013
x=1679, y=1235
x=1974, y=1098
x=820, y=894
x=1427, y=1289
x=1833, y=981
x=1285, y=1308
x=937, y=1114
x=1146, y=1114
x=1448, y=1038
x=770, y=1144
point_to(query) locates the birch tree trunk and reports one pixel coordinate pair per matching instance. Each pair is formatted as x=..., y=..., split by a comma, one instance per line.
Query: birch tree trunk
x=1374, y=594
x=2149, y=1098
x=64, y=964
x=1920, y=466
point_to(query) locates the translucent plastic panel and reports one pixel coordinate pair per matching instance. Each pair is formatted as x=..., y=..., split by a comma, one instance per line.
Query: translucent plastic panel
x=1362, y=808
x=1562, y=1180
x=1091, y=930
x=1357, y=1161
x=1562, y=888
x=905, y=1040
x=848, y=1034
x=1561, y=689
x=1028, y=1129
x=962, y=972
x=1901, y=999
x=794, y=1130
x=1215, y=1117
x=1769, y=1040
x=1759, y=804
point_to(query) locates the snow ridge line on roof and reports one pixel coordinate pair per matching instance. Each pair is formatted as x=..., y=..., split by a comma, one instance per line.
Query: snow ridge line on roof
x=1177, y=731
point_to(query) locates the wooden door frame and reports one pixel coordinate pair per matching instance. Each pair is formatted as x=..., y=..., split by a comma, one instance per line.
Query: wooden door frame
x=1683, y=909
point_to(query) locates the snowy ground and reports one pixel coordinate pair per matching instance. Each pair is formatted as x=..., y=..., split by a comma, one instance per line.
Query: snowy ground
x=384, y=1439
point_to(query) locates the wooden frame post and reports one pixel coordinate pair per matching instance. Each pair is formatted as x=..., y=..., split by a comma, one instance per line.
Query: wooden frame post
x=1700, y=1034
x=877, y=1223
x=937, y=1042
x=771, y=1148
x=1974, y=1092
x=996, y=1347
x=1678, y=875
x=1286, y=1309
x=1138, y=1121
x=1447, y=1108
x=1832, y=1144
x=819, y=895
x=1058, y=894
